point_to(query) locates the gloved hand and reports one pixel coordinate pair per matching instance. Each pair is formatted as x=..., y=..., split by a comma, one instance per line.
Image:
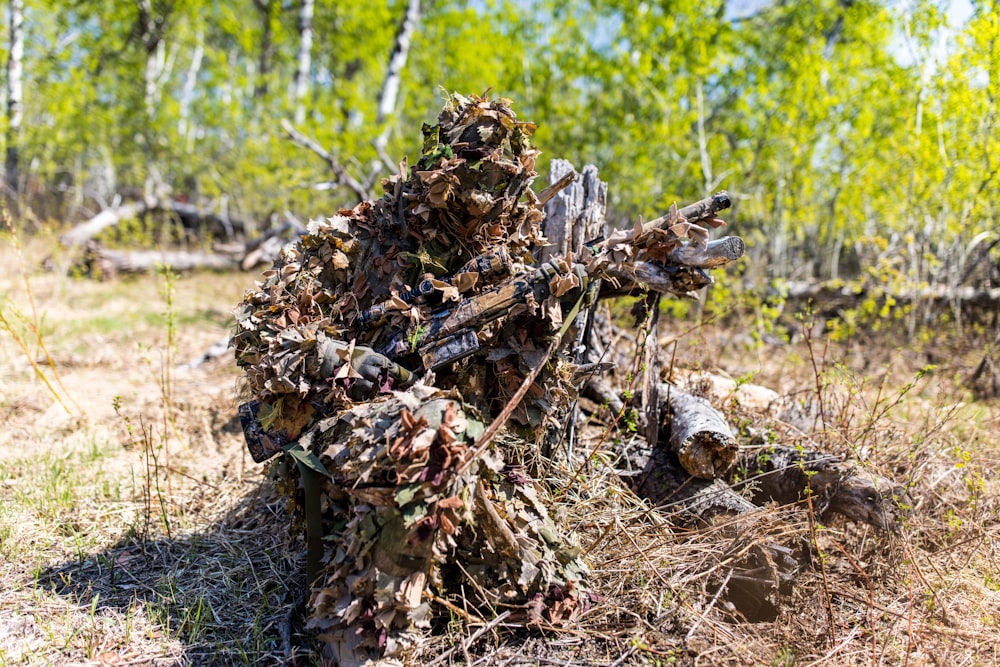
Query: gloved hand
x=378, y=373
x=563, y=280
x=366, y=374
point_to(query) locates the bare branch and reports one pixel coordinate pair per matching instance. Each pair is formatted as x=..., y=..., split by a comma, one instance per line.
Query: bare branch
x=343, y=178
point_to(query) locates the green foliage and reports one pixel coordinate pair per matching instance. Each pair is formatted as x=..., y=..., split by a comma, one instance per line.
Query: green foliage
x=833, y=123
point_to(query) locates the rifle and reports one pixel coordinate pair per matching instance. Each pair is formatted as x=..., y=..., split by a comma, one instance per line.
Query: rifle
x=450, y=333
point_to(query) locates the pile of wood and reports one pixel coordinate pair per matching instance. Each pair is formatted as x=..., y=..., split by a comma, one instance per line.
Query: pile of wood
x=691, y=463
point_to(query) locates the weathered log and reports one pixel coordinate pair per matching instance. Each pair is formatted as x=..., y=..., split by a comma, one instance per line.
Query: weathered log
x=788, y=474
x=190, y=216
x=575, y=212
x=715, y=253
x=642, y=276
x=575, y=207
x=699, y=435
x=833, y=297
x=265, y=248
x=109, y=217
x=760, y=571
x=221, y=225
x=111, y=262
x=692, y=500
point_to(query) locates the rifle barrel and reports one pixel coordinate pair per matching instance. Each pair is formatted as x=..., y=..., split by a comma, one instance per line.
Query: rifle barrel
x=707, y=207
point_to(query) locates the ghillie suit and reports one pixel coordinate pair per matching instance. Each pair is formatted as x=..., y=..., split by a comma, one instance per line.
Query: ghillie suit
x=417, y=492
x=414, y=506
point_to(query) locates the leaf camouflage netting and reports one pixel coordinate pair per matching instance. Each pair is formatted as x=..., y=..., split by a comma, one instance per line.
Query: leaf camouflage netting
x=407, y=509
x=436, y=279
x=403, y=519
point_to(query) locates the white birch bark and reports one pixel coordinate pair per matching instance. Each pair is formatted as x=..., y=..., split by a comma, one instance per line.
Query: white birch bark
x=397, y=61
x=184, y=129
x=304, y=61
x=14, y=94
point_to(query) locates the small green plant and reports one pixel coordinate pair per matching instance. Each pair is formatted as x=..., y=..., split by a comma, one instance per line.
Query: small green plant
x=151, y=489
x=784, y=658
x=416, y=336
x=167, y=364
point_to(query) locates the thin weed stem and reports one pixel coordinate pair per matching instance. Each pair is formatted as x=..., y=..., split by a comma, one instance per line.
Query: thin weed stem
x=813, y=536
x=35, y=328
x=166, y=370
x=807, y=327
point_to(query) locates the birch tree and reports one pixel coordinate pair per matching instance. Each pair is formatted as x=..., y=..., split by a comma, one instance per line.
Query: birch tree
x=394, y=72
x=304, y=60
x=14, y=97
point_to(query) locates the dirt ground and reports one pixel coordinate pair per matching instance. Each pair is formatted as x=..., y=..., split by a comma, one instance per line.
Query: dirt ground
x=135, y=530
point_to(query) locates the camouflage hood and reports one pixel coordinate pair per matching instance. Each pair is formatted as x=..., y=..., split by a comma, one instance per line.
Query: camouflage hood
x=464, y=195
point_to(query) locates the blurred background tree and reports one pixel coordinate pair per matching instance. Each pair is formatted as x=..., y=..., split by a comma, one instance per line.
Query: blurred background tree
x=850, y=132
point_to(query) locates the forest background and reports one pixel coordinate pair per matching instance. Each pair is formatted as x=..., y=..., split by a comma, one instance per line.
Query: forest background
x=859, y=142
x=851, y=133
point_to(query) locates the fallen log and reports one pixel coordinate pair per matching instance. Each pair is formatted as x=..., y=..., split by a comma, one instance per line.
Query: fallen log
x=834, y=297
x=99, y=262
x=109, y=217
x=776, y=473
x=788, y=474
x=690, y=500
x=761, y=567
x=699, y=436
x=190, y=216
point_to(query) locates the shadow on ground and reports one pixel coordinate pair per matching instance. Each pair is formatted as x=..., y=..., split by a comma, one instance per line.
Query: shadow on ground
x=229, y=594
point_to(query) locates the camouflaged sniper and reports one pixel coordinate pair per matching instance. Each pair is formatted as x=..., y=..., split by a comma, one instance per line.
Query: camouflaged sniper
x=401, y=523
x=436, y=277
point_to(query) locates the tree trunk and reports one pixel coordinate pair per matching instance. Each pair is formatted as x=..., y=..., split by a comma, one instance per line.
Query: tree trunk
x=304, y=60
x=266, y=47
x=581, y=206
x=185, y=130
x=397, y=61
x=14, y=98
x=575, y=207
x=152, y=27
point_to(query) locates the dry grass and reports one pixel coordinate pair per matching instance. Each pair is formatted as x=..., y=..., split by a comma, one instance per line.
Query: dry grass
x=164, y=545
